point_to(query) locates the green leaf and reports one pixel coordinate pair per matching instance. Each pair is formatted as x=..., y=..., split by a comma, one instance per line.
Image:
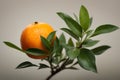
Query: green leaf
x=45, y=42
x=12, y=46
x=74, y=30
x=25, y=65
x=56, y=43
x=76, y=18
x=90, y=43
x=72, y=24
x=70, y=42
x=70, y=61
x=57, y=47
x=56, y=59
x=89, y=33
x=86, y=60
x=107, y=28
x=70, y=33
x=67, y=48
x=43, y=66
x=35, y=52
x=73, y=53
x=91, y=20
x=62, y=39
x=84, y=18
x=72, y=68
x=51, y=36
x=99, y=50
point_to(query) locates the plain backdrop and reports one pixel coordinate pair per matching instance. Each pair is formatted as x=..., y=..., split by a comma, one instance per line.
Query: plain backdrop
x=15, y=15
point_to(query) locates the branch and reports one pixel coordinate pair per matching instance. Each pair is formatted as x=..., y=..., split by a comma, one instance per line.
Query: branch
x=55, y=70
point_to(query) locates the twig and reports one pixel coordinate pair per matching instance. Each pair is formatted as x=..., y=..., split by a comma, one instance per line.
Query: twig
x=56, y=70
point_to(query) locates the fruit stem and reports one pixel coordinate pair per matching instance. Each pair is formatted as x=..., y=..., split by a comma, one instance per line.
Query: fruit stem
x=35, y=22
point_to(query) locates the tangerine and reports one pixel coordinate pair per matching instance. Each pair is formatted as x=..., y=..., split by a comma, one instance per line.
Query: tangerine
x=30, y=37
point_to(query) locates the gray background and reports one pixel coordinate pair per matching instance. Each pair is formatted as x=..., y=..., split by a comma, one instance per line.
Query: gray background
x=16, y=14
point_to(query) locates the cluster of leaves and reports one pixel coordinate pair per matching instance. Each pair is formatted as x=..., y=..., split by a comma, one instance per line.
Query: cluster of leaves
x=79, y=29
x=65, y=54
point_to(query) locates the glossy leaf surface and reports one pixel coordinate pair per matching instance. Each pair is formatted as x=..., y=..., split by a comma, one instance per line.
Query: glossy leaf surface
x=107, y=28
x=99, y=50
x=84, y=18
x=25, y=65
x=86, y=60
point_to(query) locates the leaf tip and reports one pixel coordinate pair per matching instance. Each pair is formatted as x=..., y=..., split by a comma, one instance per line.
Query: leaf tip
x=58, y=13
x=5, y=42
x=82, y=5
x=95, y=70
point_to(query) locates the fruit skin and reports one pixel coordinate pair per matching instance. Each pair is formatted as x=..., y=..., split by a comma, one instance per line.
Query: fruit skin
x=30, y=37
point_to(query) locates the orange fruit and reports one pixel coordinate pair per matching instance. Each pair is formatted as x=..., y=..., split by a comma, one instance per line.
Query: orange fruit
x=30, y=37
